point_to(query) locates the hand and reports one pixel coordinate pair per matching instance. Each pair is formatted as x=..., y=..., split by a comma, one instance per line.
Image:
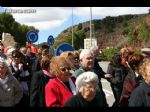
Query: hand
x=20, y=66
x=108, y=75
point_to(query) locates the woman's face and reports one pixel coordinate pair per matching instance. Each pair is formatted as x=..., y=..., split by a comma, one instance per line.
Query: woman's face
x=64, y=71
x=16, y=58
x=89, y=91
x=3, y=69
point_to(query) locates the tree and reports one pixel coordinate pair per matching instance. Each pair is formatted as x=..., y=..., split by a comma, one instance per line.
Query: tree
x=80, y=26
x=144, y=34
x=131, y=35
x=9, y=25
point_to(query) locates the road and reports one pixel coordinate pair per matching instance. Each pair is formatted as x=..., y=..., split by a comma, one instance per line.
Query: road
x=106, y=85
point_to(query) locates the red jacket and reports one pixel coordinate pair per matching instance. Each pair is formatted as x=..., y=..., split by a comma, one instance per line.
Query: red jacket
x=56, y=94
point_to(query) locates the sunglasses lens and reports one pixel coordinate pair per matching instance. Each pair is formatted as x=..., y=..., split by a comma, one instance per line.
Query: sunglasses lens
x=16, y=56
x=65, y=69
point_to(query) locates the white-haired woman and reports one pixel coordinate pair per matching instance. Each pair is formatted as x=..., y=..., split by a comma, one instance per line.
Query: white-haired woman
x=10, y=90
x=87, y=86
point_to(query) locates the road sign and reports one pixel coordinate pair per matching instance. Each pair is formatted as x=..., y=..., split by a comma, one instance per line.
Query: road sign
x=63, y=47
x=50, y=40
x=32, y=36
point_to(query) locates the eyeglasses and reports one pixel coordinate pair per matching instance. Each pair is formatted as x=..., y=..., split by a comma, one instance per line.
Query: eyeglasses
x=64, y=69
x=16, y=56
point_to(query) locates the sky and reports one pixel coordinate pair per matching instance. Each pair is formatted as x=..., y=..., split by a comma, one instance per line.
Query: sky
x=53, y=20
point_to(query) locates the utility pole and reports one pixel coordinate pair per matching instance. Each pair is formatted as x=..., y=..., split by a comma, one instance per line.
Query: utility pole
x=72, y=29
x=91, y=25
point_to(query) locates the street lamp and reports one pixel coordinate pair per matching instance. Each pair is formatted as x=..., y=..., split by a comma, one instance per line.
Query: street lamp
x=91, y=25
x=72, y=28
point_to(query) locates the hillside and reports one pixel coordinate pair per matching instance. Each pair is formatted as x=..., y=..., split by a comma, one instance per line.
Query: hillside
x=111, y=31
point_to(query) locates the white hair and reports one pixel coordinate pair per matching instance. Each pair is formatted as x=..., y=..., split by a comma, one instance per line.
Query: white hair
x=85, y=78
x=8, y=72
x=9, y=52
x=84, y=52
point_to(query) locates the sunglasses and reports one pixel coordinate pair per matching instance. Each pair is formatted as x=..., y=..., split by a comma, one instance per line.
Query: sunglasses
x=64, y=69
x=16, y=56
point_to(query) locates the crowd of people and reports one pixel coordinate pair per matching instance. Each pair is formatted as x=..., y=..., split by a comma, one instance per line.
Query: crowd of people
x=30, y=78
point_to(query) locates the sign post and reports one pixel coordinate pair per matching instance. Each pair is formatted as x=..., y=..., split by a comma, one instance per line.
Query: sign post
x=63, y=47
x=50, y=41
x=32, y=36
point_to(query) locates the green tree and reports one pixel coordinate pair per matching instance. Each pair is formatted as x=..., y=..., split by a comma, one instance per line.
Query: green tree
x=9, y=25
x=80, y=26
x=144, y=34
x=131, y=37
x=79, y=39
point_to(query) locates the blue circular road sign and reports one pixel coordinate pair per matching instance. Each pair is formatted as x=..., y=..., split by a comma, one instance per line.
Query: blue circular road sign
x=50, y=40
x=63, y=47
x=32, y=36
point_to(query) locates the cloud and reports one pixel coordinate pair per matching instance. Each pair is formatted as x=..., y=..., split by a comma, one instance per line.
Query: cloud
x=46, y=25
x=45, y=18
x=109, y=11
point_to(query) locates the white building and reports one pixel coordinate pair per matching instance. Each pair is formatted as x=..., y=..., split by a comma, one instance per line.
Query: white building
x=90, y=43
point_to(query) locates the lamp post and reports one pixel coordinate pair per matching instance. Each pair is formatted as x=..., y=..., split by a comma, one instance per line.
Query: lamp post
x=72, y=29
x=91, y=25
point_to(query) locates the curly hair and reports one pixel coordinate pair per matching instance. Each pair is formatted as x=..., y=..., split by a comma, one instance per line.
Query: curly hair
x=143, y=67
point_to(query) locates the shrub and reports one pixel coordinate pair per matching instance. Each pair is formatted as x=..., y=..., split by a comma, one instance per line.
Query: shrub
x=108, y=53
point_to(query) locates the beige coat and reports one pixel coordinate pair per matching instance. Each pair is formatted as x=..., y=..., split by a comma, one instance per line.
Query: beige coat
x=12, y=94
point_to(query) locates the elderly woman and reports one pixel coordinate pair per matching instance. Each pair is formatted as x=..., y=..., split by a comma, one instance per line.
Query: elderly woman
x=87, y=85
x=21, y=73
x=140, y=97
x=70, y=56
x=10, y=90
x=61, y=88
x=9, y=56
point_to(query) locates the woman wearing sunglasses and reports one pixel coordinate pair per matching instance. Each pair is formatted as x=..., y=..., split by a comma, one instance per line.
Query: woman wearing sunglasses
x=62, y=87
x=21, y=73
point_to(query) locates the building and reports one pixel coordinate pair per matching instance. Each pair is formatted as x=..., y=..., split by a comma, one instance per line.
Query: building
x=90, y=43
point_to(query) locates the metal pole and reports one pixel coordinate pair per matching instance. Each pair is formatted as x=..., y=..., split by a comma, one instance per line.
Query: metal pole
x=91, y=25
x=72, y=28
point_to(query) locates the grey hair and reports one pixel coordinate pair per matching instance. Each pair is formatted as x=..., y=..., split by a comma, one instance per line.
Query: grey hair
x=8, y=72
x=84, y=52
x=86, y=77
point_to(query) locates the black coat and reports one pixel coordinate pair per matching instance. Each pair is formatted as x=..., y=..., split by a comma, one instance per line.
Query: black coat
x=36, y=66
x=130, y=83
x=79, y=101
x=37, y=89
x=140, y=97
x=98, y=70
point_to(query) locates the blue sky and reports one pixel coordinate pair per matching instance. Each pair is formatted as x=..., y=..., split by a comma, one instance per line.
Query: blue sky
x=53, y=20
